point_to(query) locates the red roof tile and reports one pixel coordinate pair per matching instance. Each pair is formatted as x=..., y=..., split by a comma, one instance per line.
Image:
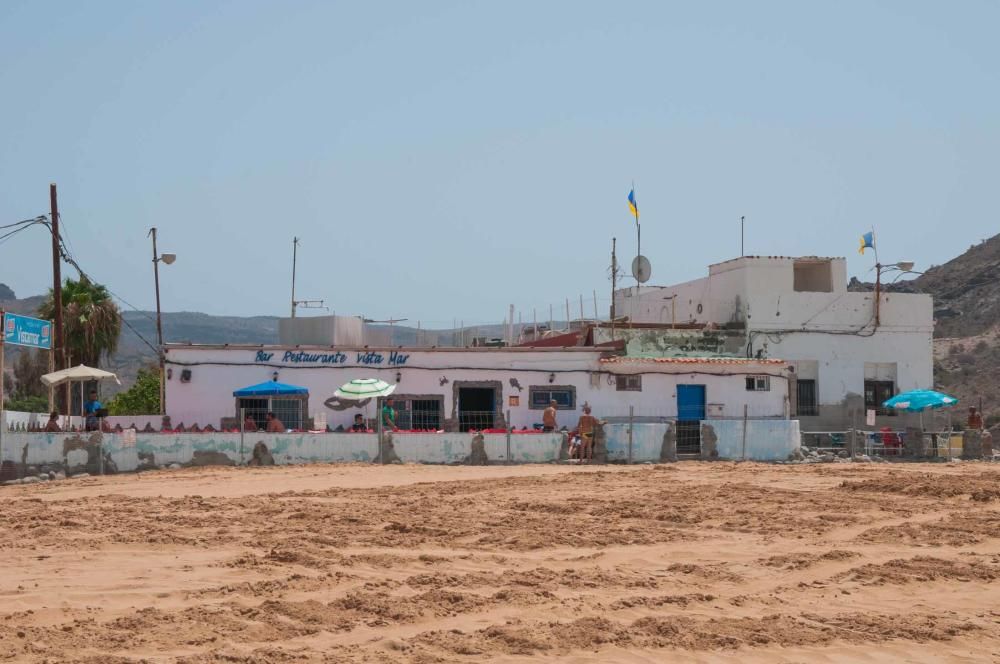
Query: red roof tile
x=688, y=360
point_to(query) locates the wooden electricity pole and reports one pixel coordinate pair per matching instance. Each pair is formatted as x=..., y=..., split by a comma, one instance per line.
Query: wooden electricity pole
x=59, y=347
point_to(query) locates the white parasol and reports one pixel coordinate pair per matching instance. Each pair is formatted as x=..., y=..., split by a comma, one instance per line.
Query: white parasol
x=81, y=373
x=364, y=388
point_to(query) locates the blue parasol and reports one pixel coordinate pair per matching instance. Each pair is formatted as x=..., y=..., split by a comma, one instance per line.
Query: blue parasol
x=917, y=401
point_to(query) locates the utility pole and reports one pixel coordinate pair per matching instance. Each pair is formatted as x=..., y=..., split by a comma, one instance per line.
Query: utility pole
x=614, y=284
x=742, y=253
x=59, y=350
x=295, y=255
x=159, y=323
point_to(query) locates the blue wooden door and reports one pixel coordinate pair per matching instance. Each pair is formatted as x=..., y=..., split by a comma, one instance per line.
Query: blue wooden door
x=690, y=403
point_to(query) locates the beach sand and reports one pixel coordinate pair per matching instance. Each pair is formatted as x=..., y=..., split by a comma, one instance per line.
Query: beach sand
x=694, y=562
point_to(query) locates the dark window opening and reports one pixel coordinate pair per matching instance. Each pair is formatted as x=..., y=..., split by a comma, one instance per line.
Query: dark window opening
x=418, y=414
x=805, y=398
x=628, y=383
x=291, y=412
x=877, y=392
x=255, y=409
x=758, y=383
x=476, y=408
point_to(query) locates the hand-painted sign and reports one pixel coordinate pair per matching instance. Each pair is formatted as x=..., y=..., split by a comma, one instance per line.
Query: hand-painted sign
x=365, y=358
x=25, y=331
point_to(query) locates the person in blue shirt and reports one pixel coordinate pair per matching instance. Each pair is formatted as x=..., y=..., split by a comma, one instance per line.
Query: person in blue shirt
x=90, y=408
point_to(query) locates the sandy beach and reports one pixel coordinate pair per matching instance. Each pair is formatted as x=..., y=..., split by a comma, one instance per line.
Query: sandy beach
x=702, y=562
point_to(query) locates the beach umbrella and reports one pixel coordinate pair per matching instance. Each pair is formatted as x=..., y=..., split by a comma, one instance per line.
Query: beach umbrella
x=917, y=401
x=364, y=388
x=81, y=373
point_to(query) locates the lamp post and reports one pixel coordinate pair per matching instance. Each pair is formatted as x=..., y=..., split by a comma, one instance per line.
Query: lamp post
x=903, y=267
x=157, y=259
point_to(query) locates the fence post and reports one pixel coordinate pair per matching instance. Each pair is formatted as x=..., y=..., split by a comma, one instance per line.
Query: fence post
x=381, y=444
x=744, y=432
x=508, y=436
x=243, y=419
x=631, y=417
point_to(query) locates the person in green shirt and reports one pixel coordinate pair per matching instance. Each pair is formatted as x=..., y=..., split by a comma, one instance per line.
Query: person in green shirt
x=389, y=415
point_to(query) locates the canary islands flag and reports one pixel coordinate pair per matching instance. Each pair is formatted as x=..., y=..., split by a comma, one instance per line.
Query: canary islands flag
x=633, y=208
x=867, y=242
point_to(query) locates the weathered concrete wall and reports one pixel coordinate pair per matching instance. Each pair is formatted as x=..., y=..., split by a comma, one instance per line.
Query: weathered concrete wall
x=766, y=440
x=647, y=441
x=73, y=450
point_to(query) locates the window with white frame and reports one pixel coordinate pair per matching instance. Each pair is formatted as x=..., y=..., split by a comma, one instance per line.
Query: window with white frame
x=758, y=383
x=539, y=397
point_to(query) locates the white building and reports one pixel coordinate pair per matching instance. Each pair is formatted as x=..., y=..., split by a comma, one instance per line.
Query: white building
x=462, y=388
x=848, y=352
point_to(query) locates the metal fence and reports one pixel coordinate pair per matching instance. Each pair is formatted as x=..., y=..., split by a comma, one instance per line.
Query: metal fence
x=944, y=443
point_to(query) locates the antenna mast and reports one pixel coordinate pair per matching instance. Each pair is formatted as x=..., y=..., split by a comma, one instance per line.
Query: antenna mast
x=295, y=256
x=305, y=304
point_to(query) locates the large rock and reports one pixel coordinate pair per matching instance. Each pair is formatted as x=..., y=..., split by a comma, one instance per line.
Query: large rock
x=387, y=453
x=261, y=455
x=477, y=452
x=972, y=444
x=668, y=449
x=600, y=452
x=709, y=441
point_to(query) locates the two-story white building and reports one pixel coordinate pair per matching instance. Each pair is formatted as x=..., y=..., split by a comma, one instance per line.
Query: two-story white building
x=849, y=353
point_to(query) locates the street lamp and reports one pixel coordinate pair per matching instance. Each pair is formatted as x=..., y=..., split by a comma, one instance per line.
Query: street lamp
x=902, y=267
x=168, y=259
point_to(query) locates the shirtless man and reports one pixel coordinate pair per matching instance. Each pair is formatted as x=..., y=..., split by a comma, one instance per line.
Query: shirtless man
x=52, y=425
x=549, y=417
x=274, y=425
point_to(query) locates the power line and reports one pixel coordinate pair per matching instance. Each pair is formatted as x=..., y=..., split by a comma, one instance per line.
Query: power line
x=19, y=226
x=39, y=219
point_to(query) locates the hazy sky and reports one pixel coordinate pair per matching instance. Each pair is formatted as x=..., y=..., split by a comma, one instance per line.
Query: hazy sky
x=441, y=160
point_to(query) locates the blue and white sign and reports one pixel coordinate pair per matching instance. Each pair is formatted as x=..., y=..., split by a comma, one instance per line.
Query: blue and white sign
x=25, y=331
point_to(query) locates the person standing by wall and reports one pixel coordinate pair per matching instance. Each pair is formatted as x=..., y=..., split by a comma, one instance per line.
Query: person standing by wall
x=549, y=417
x=52, y=426
x=389, y=415
x=975, y=420
x=585, y=427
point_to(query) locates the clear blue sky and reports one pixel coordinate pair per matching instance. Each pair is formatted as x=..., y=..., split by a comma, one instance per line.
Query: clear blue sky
x=441, y=160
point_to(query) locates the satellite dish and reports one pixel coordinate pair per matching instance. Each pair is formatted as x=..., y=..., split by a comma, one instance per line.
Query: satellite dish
x=641, y=269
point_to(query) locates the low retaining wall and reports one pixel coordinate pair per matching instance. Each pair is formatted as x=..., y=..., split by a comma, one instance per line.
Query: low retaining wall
x=79, y=452
x=766, y=440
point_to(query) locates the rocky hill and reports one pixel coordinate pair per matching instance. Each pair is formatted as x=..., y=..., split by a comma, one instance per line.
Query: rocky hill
x=966, y=292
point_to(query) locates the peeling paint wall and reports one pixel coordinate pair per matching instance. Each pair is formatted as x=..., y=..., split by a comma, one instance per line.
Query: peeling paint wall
x=766, y=440
x=38, y=449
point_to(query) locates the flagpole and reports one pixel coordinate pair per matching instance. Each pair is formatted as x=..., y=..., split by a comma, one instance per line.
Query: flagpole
x=638, y=228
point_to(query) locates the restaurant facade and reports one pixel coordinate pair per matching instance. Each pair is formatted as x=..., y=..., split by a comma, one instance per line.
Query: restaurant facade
x=461, y=389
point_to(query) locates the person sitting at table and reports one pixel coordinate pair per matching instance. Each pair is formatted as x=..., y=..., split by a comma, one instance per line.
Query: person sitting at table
x=359, y=423
x=52, y=426
x=90, y=408
x=274, y=425
x=250, y=424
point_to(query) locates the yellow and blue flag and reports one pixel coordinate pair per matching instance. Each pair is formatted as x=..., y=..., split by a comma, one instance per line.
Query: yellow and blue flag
x=633, y=208
x=867, y=242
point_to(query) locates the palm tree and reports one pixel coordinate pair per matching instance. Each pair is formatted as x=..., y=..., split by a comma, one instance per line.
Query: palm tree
x=92, y=322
